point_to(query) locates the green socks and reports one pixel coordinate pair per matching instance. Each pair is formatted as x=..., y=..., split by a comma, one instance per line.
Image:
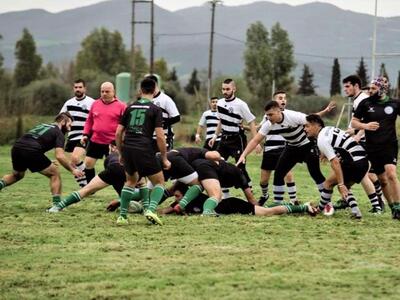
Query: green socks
x=190, y=195
x=127, y=195
x=209, y=206
x=2, y=184
x=73, y=198
x=292, y=209
x=144, y=195
x=155, y=197
x=56, y=199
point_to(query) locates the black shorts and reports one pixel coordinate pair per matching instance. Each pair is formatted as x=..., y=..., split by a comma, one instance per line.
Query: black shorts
x=143, y=161
x=114, y=175
x=97, y=151
x=168, y=140
x=70, y=145
x=205, y=169
x=23, y=159
x=270, y=159
x=355, y=171
x=214, y=147
x=384, y=156
x=180, y=169
x=234, y=205
x=231, y=145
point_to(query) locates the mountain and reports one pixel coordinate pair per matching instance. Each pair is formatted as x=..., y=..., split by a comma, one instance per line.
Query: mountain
x=319, y=32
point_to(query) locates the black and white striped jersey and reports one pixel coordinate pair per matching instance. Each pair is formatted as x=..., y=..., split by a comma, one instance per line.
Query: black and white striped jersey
x=169, y=110
x=356, y=101
x=79, y=110
x=334, y=142
x=273, y=141
x=209, y=120
x=231, y=113
x=291, y=128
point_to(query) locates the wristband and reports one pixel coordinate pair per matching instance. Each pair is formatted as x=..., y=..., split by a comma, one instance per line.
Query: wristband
x=197, y=135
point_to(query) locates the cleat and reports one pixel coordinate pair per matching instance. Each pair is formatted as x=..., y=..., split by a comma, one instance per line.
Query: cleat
x=209, y=214
x=54, y=209
x=135, y=207
x=328, y=210
x=341, y=204
x=356, y=213
x=396, y=213
x=381, y=203
x=263, y=200
x=376, y=211
x=311, y=210
x=152, y=217
x=122, y=221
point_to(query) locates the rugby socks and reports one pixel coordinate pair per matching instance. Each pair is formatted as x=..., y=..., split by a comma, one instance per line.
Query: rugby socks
x=82, y=181
x=292, y=191
x=320, y=187
x=56, y=199
x=279, y=191
x=264, y=190
x=127, y=194
x=225, y=193
x=89, y=173
x=192, y=193
x=293, y=209
x=2, y=184
x=326, y=196
x=155, y=197
x=373, y=198
x=378, y=189
x=74, y=197
x=210, y=205
x=144, y=193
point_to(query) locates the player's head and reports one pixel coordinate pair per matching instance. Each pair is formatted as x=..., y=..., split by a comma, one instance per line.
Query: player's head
x=112, y=147
x=273, y=112
x=377, y=87
x=154, y=78
x=213, y=103
x=148, y=86
x=107, y=91
x=179, y=190
x=228, y=88
x=280, y=97
x=351, y=85
x=64, y=120
x=386, y=84
x=79, y=88
x=313, y=125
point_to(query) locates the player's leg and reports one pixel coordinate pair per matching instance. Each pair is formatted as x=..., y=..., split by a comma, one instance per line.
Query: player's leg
x=327, y=191
x=286, y=162
x=77, y=160
x=213, y=189
x=156, y=195
x=264, y=183
x=394, y=189
x=284, y=209
x=20, y=164
x=291, y=187
x=53, y=174
x=10, y=179
x=369, y=189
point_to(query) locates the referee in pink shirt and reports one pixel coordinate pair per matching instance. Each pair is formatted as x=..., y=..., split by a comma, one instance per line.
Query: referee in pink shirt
x=100, y=126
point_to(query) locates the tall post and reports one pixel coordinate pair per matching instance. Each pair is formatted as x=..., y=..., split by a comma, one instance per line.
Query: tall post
x=133, y=62
x=152, y=38
x=374, y=42
x=211, y=48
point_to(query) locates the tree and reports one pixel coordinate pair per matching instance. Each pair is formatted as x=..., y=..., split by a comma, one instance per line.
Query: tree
x=398, y=86
x=193, y=85
x=335, y=79
x=382, y=71
x=50, y=71
x=1, y=61
x=28, y=62
x=282, y=56
x=362, y=72
x=161, y=68
x=258, y=61
x=173, y=78
x=306, y=84
x=103, y=51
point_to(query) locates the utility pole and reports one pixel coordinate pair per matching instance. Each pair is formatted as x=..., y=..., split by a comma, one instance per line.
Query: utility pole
x=211, y=48
x=133, y=24
x=374, y=42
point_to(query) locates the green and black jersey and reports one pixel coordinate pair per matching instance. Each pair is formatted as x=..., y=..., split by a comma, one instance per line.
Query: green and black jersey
x=140, y=119
x=43, y=138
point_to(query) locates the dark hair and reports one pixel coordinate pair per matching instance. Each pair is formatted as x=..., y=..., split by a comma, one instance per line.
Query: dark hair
x=148, y=86
x=278, y=92
x=152, y=77
x=179, y=186
x=228, y=80
x=80, y=81
x=270, y=105
x=63, y=116
x=113, y=143
x=213, y=98
x=353, y=79
x=316, y=119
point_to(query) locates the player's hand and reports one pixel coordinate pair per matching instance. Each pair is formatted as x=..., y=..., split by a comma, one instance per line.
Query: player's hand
x=166, y=164
x=211, y=142
x=197, y=139
x=331, y=106
x=258, y=149
x=351, y=131
x=373, y=126
x=344, y=192
x=113, y=205
x=78, y=173
x=55, y=162
x=84, y=140
x=241, y=160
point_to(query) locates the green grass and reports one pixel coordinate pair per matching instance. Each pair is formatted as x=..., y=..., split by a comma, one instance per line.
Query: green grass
x=81, y=253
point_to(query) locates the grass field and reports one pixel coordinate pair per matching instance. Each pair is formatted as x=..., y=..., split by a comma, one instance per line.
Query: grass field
x=81, y=253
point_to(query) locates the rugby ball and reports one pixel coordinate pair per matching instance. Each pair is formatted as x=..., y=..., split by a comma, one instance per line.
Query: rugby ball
x=135, y=207
x=328, y=210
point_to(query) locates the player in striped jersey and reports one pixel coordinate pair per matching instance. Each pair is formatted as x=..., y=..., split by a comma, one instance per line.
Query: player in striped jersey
x=348, y=162
x=170, y=114
x=78, y=107
x=209, y=121
x=290, y=125
x=231, y=113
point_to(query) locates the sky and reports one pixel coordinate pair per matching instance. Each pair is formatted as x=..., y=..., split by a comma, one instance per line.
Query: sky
x=386, y=8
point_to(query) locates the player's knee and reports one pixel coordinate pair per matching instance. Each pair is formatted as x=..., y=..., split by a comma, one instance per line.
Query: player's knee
x=18, y=175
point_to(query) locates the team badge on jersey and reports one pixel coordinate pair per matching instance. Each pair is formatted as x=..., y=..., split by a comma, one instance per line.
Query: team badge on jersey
x=230, y=109
x=371, y=109
x=388, y=110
